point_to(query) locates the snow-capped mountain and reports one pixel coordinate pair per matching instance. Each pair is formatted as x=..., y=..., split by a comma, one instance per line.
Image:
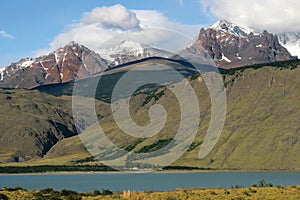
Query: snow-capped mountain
x=23, y=63
x=63, y=64
x=229, y=27
x=128, y=51
x=59, y=66
x=291, y=41
x=228, y=44
x=232, y=46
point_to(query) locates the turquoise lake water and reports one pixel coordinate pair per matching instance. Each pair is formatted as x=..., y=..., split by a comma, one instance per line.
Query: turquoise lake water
x=146, y=181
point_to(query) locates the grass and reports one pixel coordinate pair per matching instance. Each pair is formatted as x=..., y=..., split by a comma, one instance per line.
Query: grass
x=31, y=123
x=267, y=193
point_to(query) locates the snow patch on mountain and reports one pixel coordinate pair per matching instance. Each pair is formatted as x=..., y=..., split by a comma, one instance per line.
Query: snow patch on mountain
x=225, y=58
x=1, y=73
x=22, y=64
x=291, y=41
x=26, y=62
x=229, y=27
x=128, y=51
x=125, y=47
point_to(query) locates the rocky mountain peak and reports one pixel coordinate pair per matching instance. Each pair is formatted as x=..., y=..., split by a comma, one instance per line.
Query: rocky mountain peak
x=59, y=66
x=231, y=28
x=230, y=45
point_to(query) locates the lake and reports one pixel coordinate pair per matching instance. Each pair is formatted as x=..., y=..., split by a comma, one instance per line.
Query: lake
x=146, y=181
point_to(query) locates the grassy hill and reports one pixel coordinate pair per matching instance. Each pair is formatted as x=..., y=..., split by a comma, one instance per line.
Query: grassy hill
x=262, y=129
x=31, y=123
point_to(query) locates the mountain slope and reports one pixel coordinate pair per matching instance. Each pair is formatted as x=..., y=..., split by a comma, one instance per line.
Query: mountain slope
x=261, y=129
x=110, y=77
x=32, y=122
x=59, y=66
x=232, y=46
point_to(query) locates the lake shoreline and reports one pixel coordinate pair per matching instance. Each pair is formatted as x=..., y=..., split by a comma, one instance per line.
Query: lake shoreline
x=146, y=181
x=144, y=172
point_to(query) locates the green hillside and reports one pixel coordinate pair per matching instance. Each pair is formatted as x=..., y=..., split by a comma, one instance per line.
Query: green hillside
x=262, y=129
x=32, y=122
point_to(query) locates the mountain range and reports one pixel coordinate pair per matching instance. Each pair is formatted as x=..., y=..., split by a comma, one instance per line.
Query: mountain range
x=229, y=46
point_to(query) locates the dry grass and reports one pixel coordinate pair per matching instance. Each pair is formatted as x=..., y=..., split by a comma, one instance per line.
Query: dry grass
x=266, y=193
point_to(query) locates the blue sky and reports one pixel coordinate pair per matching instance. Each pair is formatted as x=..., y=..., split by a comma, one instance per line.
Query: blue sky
x=28, y=26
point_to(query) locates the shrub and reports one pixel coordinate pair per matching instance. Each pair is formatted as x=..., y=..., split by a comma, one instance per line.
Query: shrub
x=68, y=192
x=246, y=193
x=14, y=189
x=226, y=192
x=172, y=198
x=270, y=185
x=96, y=192
x=74, y=197
x=47, y=190
x=106, y=192
x=238, y=198
x=262, y=183
x=235, y=187
x=53, y=195
x=252, y=190
x=3, y=197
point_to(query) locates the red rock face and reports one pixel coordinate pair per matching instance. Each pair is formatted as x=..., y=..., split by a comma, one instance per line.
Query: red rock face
x=65, y=64
x=233, y=50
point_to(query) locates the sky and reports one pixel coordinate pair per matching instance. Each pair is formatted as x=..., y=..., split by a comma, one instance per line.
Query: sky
x=35, y=27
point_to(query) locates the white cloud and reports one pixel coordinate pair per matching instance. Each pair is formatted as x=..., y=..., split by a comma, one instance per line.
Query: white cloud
x=6, y=35
x=153, y=18
x=116, y=16
x=104, y=23
x=274, y=15
x=162, y=38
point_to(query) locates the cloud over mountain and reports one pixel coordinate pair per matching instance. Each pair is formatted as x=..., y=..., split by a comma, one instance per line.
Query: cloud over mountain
x=104, y=23
x=274, y=15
